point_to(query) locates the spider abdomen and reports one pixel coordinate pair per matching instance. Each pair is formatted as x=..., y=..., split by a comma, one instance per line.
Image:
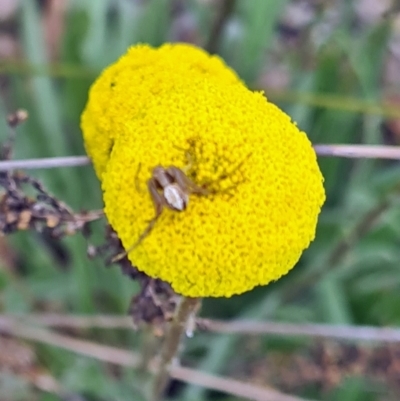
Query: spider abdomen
x=175, y=197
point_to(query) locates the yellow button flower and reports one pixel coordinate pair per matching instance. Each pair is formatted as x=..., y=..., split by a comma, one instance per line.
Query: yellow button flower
x=178, y=106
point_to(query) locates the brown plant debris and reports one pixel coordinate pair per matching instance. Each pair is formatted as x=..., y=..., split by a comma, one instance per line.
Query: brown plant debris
x=326, y=365
x=43, y=212
x=17, y=118
x=19, y=359
x=155, y=302
x=15, y=356
x=19, y=211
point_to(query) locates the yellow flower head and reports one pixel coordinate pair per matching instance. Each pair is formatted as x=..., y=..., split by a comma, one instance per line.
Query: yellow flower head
x=178, y=106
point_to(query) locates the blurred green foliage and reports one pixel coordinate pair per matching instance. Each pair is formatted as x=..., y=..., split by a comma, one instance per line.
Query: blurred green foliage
x=350, y=274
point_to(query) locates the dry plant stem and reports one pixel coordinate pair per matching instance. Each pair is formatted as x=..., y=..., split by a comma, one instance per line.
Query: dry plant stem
x=358, y=151
x=333, y=150
x=49, y=162
x=87, y=348
x=347, y=333
x=247, y=327
x=170, y=348
x=240, y=390
x=347, y=151
x=123, y=357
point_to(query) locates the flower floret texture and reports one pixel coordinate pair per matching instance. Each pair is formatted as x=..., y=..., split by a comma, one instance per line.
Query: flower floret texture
x=178, y=106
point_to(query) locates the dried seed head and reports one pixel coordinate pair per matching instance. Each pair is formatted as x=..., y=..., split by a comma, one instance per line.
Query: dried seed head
x=16, y=118
x=228, y=242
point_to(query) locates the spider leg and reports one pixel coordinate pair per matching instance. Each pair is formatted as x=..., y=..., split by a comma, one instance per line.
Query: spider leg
x=184, y=182
x=225, y=174
x=144, y=234
x=156, y=196
x=189, y=158
x=159, y=203
x=137, y=184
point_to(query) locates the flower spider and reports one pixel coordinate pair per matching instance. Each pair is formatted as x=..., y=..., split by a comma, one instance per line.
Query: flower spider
x=168, y=187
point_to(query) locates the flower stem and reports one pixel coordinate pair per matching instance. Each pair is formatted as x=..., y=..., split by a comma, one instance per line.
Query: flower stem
x=184, y=311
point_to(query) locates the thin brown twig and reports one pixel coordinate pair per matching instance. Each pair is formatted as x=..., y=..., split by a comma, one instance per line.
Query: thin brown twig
x=131, y=359
x=359, y=151
x=248, y=327
x=48, y=162
x=83, y=347
x=238, y=389
x=328, y=331
x=332, y=150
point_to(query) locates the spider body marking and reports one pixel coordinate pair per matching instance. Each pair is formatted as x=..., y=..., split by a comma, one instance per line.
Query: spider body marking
x=168, y=188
